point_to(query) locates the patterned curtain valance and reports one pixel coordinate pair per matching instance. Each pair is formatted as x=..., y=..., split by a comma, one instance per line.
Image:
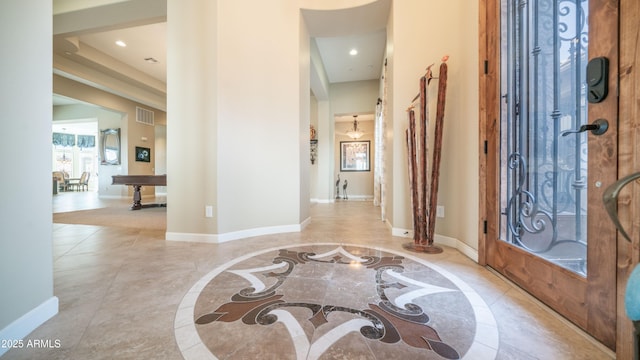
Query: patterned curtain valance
x=60, y=139
x=86, y=141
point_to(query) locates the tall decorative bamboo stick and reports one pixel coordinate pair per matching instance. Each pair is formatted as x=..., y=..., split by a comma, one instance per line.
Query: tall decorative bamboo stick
x=424, y=190
x=435, y=173
x=413, y=172
x=424, y=150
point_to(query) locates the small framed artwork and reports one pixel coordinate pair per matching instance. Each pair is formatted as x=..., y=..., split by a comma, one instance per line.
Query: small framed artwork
x=143, y=154
x=354, y=156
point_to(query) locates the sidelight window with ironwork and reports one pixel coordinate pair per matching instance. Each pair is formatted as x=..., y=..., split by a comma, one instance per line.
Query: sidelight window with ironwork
x=543, y=164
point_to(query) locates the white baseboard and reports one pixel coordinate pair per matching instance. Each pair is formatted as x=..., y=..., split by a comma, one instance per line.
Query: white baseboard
x=322, y=201
x=399, y=232
x=270, y=230
x=465, y=249
x=305, y=223
x=351, y=197
x=358, y=197
x=236, y=235
x=192, y=237
x=28, y=322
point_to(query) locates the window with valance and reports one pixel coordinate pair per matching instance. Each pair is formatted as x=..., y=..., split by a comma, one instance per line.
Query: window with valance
x=60, y=139
x=83, y=141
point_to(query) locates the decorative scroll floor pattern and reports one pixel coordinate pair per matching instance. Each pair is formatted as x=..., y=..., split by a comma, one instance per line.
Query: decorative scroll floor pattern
x=324, y=301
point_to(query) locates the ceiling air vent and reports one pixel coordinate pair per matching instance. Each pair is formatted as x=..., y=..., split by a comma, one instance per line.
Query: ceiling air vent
x=144, y=116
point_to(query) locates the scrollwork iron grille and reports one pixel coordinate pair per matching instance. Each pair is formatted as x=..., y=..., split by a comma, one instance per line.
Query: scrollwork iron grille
x=543, y=176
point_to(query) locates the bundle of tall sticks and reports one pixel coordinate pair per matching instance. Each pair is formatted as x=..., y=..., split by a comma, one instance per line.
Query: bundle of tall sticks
x=424, y=191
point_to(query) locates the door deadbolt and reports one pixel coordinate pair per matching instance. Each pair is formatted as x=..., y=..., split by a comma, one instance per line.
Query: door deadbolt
x=597, y=79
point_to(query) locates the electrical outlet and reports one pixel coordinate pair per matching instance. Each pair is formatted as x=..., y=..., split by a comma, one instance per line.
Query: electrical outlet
x=208, y=211
x=440, y=211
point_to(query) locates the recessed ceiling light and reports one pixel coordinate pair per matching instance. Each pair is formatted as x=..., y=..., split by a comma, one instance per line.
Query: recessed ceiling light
x=121, y=43
x=353, y=52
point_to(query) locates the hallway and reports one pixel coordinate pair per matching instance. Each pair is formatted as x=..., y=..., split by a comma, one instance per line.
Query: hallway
x=122, y=293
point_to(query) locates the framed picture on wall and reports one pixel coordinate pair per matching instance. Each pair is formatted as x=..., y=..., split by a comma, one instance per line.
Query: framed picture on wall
x=143, y=154
x=354, y=156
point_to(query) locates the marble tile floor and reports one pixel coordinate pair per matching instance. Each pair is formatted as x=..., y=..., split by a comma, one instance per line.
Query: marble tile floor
x=123, y=294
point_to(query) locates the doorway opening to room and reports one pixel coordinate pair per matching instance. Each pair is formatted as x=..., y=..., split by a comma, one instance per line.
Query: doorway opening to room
x=355, y=161
x=75, y=155
x=348, y=49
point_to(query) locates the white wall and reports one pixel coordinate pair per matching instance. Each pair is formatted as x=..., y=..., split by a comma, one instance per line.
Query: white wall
x=390, y=170
x=259, y=110
x=460, y=176
x=422, y=32
x=321, y=116
x=241, y=118
x=304, y=119
x=26, y=256
x=325, y=160
x=354, y=97
x=192, y=119
x=332, y=4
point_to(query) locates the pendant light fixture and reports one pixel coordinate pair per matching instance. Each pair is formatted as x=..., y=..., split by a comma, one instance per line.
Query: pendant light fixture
x=355, y=133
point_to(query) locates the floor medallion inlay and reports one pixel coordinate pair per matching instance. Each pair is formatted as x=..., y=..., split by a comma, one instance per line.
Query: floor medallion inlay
x=334, y=300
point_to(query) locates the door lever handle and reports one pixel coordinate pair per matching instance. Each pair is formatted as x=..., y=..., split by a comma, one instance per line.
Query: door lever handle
x=599, y=127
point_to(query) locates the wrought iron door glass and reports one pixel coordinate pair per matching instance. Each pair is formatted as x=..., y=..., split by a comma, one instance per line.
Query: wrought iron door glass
x=543, y=85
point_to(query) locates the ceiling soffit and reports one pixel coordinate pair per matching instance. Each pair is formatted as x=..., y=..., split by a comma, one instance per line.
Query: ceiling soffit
x=79, y=36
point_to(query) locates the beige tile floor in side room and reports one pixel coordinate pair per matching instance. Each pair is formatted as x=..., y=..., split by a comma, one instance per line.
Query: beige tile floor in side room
x=119, y=288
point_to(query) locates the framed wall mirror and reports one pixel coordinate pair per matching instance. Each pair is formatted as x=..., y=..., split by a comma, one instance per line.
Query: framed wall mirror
x=110, y=146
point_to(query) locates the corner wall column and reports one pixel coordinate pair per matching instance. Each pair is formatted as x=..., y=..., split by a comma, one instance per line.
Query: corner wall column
x=191, y=115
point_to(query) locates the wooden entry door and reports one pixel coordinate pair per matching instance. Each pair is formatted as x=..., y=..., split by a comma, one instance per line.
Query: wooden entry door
x=547, y=229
